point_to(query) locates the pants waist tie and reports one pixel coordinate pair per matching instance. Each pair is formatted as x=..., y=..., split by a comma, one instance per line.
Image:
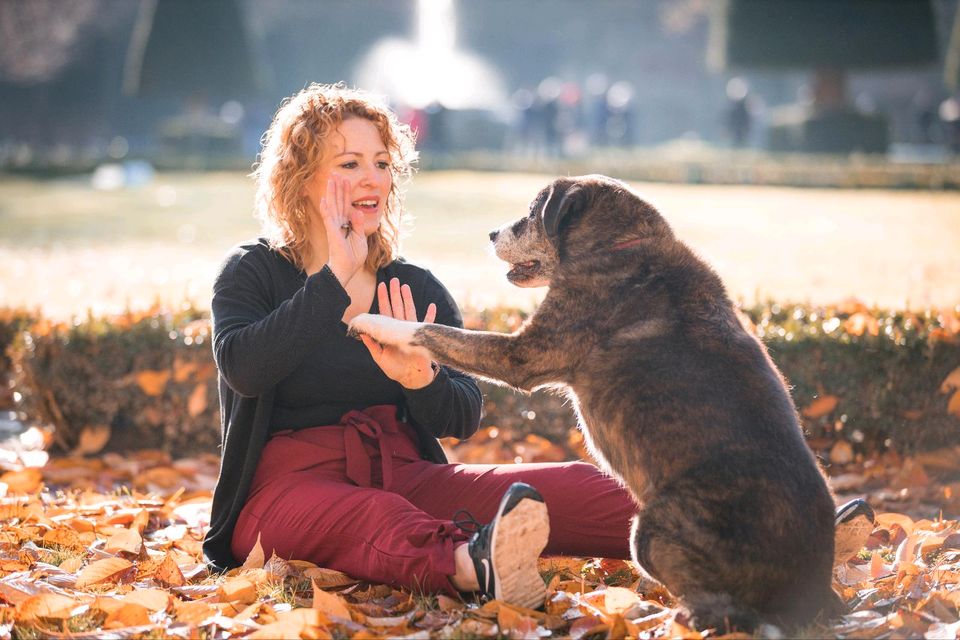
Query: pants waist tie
x=357, y=424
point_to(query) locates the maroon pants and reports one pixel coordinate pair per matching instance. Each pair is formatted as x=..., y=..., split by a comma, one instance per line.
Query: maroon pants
x=357, y=497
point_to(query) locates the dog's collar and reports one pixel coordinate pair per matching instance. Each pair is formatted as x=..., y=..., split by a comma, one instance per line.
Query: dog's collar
x=627, y=244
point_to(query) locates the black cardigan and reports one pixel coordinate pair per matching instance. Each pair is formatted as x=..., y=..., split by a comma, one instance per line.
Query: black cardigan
x=284, y=361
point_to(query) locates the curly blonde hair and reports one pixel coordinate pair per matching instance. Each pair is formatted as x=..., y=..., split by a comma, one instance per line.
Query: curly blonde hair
x=292, y=152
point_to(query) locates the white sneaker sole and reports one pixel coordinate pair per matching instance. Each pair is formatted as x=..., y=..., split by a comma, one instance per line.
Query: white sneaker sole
x=519, y=539
x=850, y=538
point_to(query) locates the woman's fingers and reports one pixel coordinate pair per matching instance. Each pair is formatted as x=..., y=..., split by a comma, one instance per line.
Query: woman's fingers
x=338, y=195
x=383, y=300
x=409, y=309
x=396, y=299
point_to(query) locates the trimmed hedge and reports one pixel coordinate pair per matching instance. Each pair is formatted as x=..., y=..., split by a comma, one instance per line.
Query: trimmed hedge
x=867, y=376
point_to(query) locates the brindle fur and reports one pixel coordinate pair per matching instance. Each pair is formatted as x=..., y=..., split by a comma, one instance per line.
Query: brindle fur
x=676, y=400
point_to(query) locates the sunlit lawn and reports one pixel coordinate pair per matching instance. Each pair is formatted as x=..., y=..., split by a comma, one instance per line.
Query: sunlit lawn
x=66, y=247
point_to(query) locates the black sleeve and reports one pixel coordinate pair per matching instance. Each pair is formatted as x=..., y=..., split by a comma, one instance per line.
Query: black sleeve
x=452, y=404
x=256, y=346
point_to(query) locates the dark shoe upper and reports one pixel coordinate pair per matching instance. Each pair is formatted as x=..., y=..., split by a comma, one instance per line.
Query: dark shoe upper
x=854, y=523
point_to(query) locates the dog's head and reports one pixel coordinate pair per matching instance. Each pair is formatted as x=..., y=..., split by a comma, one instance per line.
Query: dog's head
x=573, y=217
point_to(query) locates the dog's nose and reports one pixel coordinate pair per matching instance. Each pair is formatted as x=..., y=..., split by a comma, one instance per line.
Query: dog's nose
x=493, y=236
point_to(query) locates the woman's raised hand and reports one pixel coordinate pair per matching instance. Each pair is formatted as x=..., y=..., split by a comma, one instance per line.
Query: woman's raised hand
x=346, y=242
x=411, y=370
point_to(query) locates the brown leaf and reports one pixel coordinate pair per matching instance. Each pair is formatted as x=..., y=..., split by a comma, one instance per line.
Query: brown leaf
x=280, y=630
x=841, y=452
x=127, y=541
x=587, y=625
x=192, y=611
x=887, y=520
x=512, y=622
x=106, y=570
x=277, y=567
x=329, y=603
x=151, y=599
x=238, y=589
x=446, y=603
x=822, y=406
x=182, y=369
x=951, y=382
x=106, y=604
x=197, y=403
x=327, y=578
x=93, y=438
x=140, y=521
x=163, y=476
x=64, y=537
x=255, y=558
x=13, y=510
x=152, y=382
x=45, y=605
x=26, y=480
x=953, y=407
x=129, y=615
x=72, y=565
x=618, y=600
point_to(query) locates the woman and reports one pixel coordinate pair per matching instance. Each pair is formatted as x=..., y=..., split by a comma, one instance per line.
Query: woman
x=329, y=444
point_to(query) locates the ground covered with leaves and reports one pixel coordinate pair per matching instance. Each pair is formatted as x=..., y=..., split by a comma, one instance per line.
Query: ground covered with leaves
x=110, y=547
x=106, y=542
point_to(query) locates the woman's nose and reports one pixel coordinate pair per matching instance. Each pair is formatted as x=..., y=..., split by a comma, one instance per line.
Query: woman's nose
x=366, y=177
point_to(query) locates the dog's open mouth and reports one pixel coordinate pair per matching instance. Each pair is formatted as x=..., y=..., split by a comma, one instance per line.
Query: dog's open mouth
x=520, y=271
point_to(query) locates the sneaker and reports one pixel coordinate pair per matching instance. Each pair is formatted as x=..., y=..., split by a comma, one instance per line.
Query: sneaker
x=505, y=552
x=855, y=522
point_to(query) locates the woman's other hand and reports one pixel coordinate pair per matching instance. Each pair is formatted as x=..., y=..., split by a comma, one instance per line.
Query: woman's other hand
x=412, y=371
x=346, y=241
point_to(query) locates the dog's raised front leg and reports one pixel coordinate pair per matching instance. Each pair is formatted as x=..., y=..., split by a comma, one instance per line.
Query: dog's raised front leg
x=521, y=360
x=517, y=359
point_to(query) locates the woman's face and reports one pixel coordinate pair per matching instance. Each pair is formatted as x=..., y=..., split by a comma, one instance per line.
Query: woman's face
x=356, y=152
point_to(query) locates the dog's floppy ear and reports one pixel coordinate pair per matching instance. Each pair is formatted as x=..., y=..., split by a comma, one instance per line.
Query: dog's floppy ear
x=562, y=202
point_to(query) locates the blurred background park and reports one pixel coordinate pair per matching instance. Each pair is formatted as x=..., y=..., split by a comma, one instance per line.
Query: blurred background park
x=807, y=149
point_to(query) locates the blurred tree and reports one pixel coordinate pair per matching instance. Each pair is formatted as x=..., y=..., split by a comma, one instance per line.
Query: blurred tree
x=200, y=53
x=831, y=37
x=182, y=47
x=951, y=71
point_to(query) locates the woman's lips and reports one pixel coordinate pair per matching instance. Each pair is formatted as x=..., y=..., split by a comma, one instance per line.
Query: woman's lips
x=367, y=205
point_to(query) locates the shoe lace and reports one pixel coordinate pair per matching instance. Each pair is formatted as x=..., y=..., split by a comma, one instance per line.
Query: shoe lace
x=466, y=522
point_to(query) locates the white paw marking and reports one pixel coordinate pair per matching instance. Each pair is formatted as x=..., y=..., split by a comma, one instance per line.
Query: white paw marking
x=387, y=331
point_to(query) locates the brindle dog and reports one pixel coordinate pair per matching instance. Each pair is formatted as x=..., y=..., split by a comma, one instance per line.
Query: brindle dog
x=676, y=399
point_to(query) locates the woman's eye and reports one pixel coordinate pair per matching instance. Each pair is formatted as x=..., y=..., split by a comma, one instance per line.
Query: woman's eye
x=383, y=164
x=349, y=165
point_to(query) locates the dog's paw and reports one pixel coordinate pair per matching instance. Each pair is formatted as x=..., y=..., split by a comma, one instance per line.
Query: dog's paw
x=386, y=331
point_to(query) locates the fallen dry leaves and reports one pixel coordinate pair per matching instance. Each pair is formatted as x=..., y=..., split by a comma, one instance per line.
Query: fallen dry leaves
x=109, y=547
